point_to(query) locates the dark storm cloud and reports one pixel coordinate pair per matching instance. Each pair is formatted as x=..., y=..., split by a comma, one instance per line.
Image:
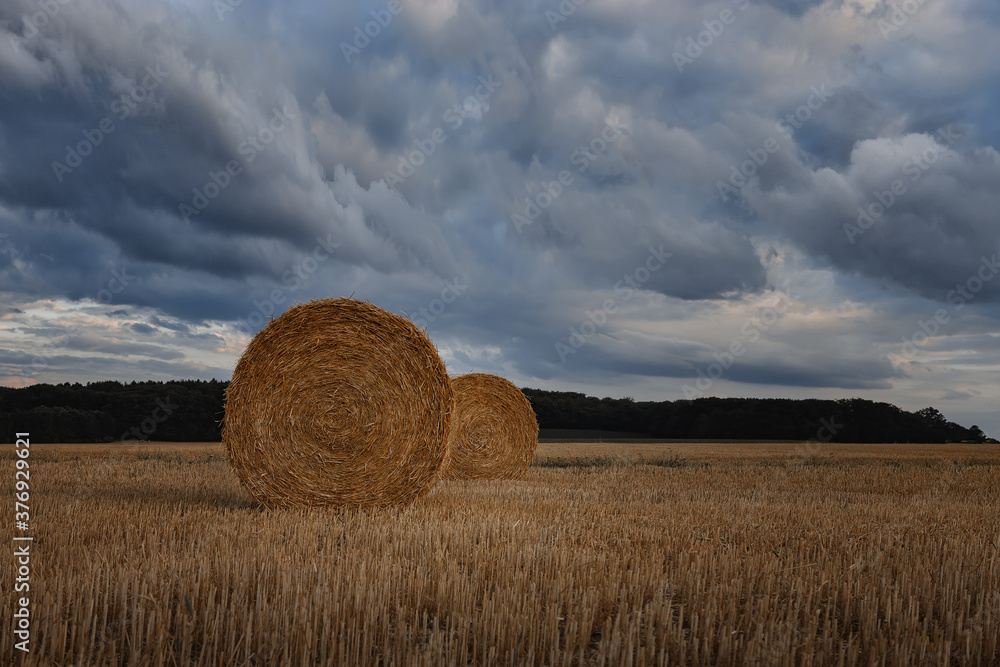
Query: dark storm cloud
x=913, y=210
x=162, y=152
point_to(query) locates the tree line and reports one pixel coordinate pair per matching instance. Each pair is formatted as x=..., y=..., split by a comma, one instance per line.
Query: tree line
x=843, y=420
x=192, y=411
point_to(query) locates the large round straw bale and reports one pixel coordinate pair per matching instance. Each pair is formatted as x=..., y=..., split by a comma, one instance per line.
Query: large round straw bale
x=494, y=431
x=338, y=402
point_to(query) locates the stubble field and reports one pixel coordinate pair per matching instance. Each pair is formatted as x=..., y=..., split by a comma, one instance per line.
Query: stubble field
x=729, y=554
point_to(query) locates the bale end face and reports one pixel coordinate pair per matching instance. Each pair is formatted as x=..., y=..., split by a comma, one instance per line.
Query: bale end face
x=338, y=402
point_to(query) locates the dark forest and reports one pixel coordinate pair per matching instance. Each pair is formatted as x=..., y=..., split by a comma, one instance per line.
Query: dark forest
x=192, y=411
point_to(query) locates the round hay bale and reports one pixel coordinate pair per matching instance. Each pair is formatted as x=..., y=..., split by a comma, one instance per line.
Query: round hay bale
x=338, y=402
x=494, y=431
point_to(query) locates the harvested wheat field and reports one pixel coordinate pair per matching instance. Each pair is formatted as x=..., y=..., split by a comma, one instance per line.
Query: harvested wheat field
x=601, y=554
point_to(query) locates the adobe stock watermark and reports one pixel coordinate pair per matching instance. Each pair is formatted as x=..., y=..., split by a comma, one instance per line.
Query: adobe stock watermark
x=123, y=107
x=565, y=9
x=900, y=15
x=714, y=28
x=581, y=158
x=914, y=167
x=750, y=332
x=624, y=289
x=223, y=7
x=21, y=562
x=34, y=23
x=372, y=29
x=148, y=426
x=248, y=150
x=451, y=290
x=828, y=429
x=293, y=279
x=740, y=177
x=958, y=297
x=116, y=285
x=473, y=106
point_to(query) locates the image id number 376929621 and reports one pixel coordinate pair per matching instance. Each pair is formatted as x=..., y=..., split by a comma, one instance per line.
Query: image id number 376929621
x=22, y=543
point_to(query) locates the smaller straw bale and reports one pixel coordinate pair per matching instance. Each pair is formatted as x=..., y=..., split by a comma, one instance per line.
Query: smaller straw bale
x=494, y=432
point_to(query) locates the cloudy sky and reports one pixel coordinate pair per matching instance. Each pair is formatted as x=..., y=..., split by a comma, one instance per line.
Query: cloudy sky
x=662, y=200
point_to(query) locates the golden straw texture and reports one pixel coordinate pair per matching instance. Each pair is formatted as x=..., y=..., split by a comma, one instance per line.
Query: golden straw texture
x=494, y=431
x=338, y=402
